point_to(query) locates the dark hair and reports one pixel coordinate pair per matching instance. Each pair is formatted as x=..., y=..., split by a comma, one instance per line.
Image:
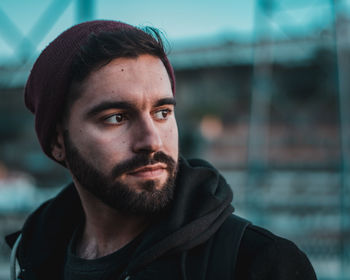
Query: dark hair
x=103, y=47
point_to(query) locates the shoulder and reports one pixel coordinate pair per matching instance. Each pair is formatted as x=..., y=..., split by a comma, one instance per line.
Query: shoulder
x=263, y=255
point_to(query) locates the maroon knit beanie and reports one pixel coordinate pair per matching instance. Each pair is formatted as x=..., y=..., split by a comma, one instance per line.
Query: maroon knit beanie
x=50, y=77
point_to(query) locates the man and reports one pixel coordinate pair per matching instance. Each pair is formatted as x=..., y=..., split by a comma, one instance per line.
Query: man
x=103, y=97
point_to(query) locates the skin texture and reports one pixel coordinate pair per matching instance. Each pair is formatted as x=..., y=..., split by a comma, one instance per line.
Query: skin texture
x=126, y=109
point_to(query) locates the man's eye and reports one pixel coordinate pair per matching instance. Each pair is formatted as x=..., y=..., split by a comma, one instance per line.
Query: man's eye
x=115, y=119
x=162, y=114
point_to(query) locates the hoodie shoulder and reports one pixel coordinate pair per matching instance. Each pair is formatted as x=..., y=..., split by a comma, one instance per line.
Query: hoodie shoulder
x=196, y=162
x=263, y=255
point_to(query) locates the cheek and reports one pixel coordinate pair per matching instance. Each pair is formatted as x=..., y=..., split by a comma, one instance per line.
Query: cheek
x=171, y=140
x=103, y=149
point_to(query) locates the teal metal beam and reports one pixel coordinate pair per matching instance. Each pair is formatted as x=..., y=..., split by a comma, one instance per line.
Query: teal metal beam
x=342, y=46
x=85, y=10
x=10, y=32
x=258, y=141
x=40, y=29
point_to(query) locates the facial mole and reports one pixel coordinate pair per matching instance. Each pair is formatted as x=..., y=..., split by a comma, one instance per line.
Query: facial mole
x=122, y=69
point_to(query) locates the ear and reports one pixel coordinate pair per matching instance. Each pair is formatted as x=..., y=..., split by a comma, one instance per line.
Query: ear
x=58, y=150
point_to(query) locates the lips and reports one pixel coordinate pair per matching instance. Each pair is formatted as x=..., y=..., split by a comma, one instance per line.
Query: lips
x=148, y=171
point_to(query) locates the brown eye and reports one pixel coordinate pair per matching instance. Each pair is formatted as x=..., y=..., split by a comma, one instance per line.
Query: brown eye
x=115, y=119
x=162, y=114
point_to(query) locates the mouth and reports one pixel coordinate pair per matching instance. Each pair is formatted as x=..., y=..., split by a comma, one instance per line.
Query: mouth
x=149, y=171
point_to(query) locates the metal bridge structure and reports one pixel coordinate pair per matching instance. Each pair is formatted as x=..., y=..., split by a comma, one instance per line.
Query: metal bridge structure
x=25, y=46
x=261, y=96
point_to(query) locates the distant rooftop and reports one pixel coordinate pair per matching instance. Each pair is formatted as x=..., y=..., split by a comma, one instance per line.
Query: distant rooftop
x=206, y=52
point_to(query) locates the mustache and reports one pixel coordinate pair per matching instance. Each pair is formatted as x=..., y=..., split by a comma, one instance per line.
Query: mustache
x=141, y=160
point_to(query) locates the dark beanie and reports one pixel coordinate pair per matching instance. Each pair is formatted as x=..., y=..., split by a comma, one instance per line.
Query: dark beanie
x=50, y=77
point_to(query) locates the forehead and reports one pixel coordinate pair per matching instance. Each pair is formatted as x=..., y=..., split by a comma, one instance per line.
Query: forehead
x=138, y=80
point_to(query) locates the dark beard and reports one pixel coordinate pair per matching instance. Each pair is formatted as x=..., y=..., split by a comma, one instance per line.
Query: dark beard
x=117, y=194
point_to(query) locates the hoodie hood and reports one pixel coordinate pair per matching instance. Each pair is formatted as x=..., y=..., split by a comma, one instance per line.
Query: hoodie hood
x=202, y=202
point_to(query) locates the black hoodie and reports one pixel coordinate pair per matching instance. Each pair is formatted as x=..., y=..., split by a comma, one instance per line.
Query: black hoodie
x=197, y=239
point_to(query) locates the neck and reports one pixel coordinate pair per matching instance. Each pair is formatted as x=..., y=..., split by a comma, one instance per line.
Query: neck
x=105, y=229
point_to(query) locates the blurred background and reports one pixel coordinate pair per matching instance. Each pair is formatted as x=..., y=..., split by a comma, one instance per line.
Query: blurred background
x=262, y=91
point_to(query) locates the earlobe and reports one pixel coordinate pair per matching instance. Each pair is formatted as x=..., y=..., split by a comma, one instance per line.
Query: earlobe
x=58, y=148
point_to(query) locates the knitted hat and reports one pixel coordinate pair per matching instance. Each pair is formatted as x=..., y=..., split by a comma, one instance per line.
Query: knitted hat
x=50, y=77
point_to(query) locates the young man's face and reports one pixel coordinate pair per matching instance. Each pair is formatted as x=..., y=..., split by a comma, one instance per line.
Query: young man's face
x=121, y=137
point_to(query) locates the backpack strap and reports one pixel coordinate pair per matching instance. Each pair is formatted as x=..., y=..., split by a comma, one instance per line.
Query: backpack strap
x=13, y=263
x=225, y=247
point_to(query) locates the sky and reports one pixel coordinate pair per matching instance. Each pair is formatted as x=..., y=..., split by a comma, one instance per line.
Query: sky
x=181, y=20
x=178, y=19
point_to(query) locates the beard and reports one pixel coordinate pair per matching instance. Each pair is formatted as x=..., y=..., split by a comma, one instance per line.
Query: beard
x=147, y=199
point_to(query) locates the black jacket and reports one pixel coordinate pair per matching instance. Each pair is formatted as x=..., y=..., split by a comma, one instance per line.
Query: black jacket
x=198, y=238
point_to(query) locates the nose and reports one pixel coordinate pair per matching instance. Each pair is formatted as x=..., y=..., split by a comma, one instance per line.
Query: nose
x=147, y=138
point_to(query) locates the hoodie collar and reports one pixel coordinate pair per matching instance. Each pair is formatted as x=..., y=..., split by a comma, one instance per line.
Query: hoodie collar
x=201, y=204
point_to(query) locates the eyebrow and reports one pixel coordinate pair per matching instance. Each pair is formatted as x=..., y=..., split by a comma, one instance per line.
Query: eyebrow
x=165, y=101
x=108, y=105
x=124, y=105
